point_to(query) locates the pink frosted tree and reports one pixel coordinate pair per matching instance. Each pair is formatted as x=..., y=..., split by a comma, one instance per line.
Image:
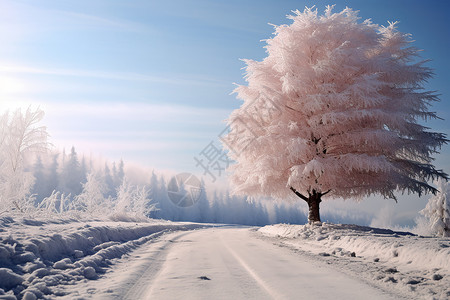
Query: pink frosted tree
x=333, y=110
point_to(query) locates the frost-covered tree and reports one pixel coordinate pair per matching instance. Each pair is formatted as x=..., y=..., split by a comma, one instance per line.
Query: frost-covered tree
x=92, y=199
x=167, y=208
x=334, y=110
x=133, y=199
x=109, y=181
x=40, y=180
x=72, y=178
x=83, y=170
x=118, y=178
x=154, y=195
x=437, y=210
x=203, y=204
x=53, y=175
x=20, y=135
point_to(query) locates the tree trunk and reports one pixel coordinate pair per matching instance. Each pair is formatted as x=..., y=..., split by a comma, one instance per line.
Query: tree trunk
x=313, y=204
x=313, y=201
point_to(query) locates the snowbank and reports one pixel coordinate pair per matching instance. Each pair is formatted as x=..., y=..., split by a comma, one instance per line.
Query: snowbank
x=417, y=266
x=39, y=257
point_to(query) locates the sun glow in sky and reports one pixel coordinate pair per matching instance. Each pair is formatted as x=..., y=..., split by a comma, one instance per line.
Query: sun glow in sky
x=150, y=81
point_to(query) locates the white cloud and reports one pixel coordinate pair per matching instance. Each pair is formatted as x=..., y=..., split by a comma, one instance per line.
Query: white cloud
x=176, y=79
x=115, y=145
x=134, y=111
x=88, y=19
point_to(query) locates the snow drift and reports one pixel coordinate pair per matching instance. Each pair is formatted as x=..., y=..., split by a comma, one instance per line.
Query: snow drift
x=417, y=266
x=39, y=257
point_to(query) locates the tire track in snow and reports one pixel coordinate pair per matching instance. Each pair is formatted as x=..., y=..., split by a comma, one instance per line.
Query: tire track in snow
x=140, y=288
x=252, y=273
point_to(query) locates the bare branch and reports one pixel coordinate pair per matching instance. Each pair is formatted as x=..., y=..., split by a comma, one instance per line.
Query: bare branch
x=299, y=195
x=326, y=192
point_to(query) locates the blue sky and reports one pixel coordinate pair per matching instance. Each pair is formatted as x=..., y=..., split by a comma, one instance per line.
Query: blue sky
x=150, y=81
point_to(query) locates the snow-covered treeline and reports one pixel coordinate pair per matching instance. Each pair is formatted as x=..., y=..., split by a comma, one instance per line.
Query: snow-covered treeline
x=67, y=173
x=118, y=191
x=220, y=208
x=54, y=183
x=65, y=183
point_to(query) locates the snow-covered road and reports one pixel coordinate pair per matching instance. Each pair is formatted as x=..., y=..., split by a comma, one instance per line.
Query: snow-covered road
x=223, y=263
x=67, y=258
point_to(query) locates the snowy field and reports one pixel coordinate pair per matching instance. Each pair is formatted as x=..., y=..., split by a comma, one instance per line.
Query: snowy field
x=42, y=258
x=412, y=266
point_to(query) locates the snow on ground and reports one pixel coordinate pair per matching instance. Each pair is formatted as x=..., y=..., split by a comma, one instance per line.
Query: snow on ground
x=40, y=258
x=418, y=267
x=65, y=257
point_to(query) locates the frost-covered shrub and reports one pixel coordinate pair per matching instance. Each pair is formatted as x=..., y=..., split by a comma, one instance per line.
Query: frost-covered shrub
x=56, y=203
x=92, y=200
x=437, y=211
x=132, y=201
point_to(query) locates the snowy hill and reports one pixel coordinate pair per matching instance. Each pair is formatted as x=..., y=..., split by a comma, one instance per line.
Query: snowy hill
x=418, y=267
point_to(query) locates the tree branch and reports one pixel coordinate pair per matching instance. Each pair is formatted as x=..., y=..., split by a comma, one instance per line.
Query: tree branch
x=298, y=194
x=291, y=108
x=326, y=192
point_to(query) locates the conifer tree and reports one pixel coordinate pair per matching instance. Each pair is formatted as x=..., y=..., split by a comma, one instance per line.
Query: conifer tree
x=40, y=180
x=72, y=177
x=109, y=182
x=53, y=176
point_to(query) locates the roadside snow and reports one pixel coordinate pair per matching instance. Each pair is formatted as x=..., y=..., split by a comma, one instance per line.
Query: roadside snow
x=417, y=266
x=38, y=258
